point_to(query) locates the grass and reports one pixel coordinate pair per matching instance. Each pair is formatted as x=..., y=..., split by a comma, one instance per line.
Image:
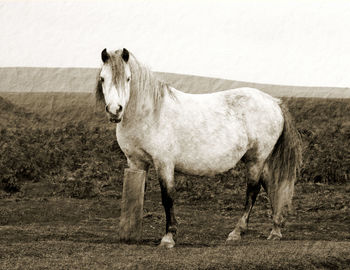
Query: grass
x=61, y=180
x=258, y=255
x=57, y=232
x=74, y=144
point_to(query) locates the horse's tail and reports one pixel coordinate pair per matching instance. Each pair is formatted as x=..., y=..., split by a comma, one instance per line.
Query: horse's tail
x=285, y=161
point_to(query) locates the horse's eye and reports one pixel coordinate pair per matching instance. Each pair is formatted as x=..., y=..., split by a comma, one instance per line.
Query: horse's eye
x=128, y=79
x=102, y=79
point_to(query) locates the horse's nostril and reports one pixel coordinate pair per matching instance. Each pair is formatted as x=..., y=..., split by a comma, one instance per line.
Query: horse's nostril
x=120, y=108
x=107, y=110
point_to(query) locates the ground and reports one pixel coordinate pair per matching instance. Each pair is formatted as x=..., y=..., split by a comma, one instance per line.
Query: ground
x=56, y=232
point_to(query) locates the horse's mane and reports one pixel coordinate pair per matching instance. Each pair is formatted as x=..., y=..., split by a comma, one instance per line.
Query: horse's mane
x=98, y=91
x=145, y=85
x=145, y=88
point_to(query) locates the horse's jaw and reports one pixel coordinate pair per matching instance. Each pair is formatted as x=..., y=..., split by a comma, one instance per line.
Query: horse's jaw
x=115, y=120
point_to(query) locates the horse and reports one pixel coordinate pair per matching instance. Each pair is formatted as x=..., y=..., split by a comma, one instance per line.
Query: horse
x=200, y=134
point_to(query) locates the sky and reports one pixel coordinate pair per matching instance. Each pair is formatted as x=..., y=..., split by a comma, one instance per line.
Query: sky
x=304, y=43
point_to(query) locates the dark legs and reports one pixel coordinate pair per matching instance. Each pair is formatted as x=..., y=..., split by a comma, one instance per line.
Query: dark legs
x=168, y=202
x=253, y=188
x=280, y=195
x=167, y=186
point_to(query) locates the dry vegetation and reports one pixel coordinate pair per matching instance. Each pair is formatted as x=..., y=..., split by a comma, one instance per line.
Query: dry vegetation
x=61, y=179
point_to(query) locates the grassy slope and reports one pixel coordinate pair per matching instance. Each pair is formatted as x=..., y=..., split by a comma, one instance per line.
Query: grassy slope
x=67, y=215
x=61, y=123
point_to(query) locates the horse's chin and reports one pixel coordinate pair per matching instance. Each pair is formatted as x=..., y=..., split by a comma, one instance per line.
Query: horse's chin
x=115, y=120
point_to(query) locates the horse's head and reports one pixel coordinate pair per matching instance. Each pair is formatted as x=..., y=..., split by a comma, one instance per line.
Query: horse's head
x=114, y=83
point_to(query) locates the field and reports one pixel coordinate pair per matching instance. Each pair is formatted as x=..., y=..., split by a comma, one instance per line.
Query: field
x=61, y=180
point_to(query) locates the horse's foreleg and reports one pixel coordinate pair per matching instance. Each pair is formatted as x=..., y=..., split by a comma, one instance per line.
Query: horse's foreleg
x=167, y=186
x=135, y=164
x=253, y=188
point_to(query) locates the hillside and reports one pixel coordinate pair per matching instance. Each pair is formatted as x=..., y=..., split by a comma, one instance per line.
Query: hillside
x=16, y=116
x=77, y=80
x=55, y=109
x=48, y=136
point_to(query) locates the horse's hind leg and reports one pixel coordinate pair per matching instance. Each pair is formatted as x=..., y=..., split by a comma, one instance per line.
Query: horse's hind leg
x=280, y=195
x=253, y=188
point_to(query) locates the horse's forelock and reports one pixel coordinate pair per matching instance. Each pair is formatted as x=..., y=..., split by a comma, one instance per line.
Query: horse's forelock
x=117, y=67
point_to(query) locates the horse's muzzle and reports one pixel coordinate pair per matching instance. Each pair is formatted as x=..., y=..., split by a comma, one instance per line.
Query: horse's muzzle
x=112, y=117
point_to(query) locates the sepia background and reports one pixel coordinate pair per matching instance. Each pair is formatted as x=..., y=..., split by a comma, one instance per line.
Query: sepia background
x=61, y=168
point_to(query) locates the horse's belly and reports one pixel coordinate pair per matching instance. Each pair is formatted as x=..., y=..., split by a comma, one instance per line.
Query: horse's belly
x=208, y=163
x=211, y=148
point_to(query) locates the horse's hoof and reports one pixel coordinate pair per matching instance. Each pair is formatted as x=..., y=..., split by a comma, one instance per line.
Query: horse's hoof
x=233, y=237
x=167, y=241
x=274, y=237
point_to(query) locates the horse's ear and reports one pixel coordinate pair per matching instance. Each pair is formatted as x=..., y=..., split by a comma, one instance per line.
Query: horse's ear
x=125, y=55
x=104, y=55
